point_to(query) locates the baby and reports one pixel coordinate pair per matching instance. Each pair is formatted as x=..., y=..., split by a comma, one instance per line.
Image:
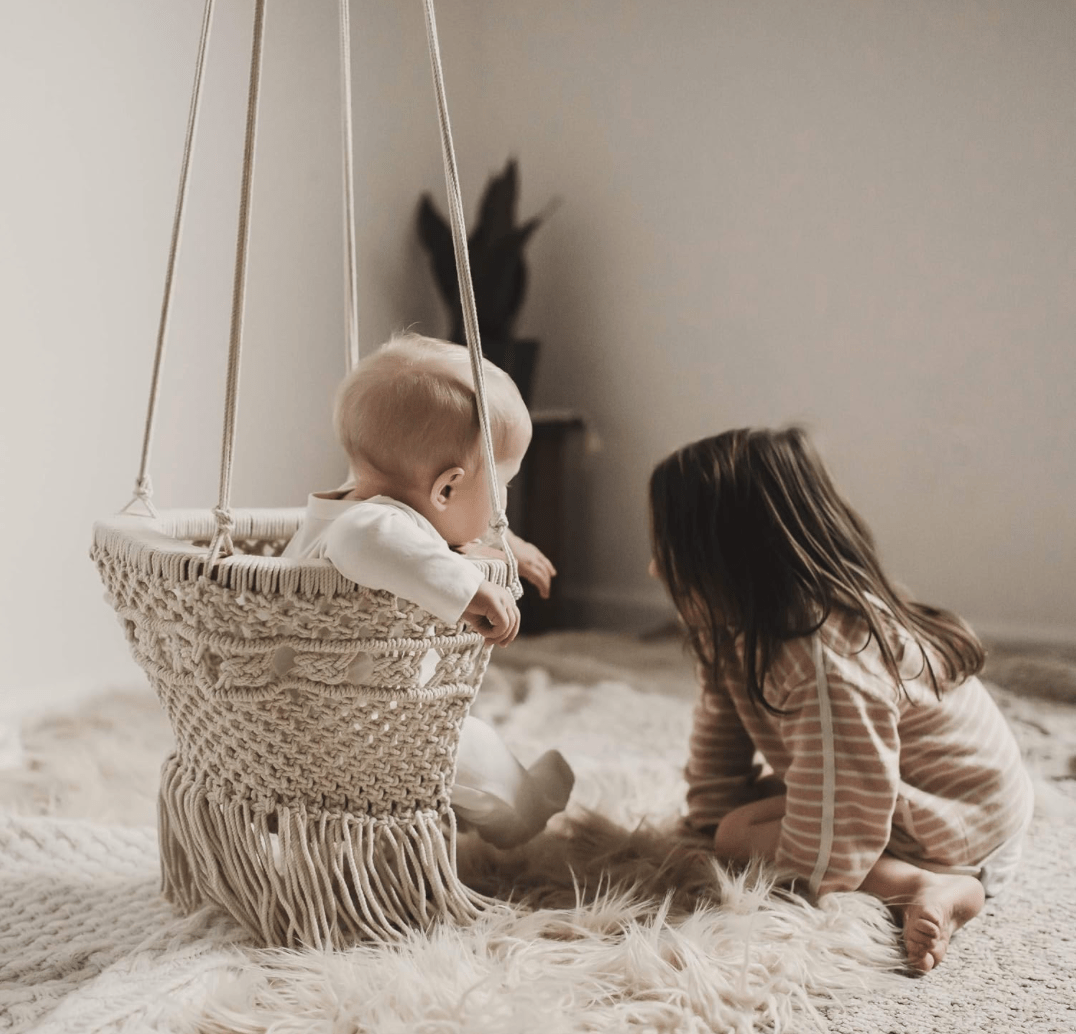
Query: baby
x=408, y=420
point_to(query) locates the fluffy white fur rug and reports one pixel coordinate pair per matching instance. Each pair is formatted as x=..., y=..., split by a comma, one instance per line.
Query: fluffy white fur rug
x=603, y=927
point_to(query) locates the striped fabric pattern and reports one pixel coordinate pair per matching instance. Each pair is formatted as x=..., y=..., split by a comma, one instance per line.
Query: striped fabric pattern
x=938, y=782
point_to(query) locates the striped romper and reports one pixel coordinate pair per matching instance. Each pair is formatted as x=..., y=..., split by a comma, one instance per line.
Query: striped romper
x=939, y=783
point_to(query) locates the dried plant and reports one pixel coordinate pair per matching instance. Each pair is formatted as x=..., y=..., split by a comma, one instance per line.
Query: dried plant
x=496, y=246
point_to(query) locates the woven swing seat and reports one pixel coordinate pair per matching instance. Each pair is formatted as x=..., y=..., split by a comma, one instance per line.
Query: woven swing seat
x=317, y=722
x=316, y=725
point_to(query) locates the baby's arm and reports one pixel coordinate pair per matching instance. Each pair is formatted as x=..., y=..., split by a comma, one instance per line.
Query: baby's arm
x=534, y=565
x=379, y=546
x=493, y=613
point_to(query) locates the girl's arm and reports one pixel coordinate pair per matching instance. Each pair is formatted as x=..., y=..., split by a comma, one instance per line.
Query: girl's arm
x=841, y=784
x=721, y=768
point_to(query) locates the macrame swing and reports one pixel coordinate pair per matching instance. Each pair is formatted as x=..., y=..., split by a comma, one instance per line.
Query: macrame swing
x=308, y=793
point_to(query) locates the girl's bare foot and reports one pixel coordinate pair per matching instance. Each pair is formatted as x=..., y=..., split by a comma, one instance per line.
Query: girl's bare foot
x=939, y=906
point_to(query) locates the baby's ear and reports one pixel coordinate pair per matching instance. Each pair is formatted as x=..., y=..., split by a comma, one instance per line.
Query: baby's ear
x=444, y=487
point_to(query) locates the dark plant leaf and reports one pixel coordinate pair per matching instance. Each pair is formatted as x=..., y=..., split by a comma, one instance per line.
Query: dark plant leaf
x=497, y=209
x=436, y=235
x=500, y=281
x=495, y=247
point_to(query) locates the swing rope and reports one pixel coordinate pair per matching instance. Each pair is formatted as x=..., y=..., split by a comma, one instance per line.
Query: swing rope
x=221, y=544
x=499, y=521
x=143, y=491
x=351, y=281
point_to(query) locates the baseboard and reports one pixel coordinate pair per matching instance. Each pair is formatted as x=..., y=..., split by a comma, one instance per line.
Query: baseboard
x=1014, y=633
x=616, y=611
x=11, y=752
x=613, y=610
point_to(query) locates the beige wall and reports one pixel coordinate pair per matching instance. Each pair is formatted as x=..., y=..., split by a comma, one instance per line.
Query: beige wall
x=97, y=99
x=858, y=215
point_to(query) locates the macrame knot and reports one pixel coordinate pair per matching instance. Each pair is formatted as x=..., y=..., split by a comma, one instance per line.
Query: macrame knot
x=143, y=493
x=225, y=520
x=499, y=526
x=222, y=540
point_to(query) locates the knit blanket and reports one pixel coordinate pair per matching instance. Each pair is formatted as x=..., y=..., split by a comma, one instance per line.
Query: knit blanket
x=603, y=928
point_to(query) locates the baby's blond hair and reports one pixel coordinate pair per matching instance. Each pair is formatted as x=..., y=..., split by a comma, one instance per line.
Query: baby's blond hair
x=409, y=408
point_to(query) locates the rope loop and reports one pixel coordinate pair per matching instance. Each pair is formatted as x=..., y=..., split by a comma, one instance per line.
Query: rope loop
x=222, y=540
x=498, y=524
x=515, y=586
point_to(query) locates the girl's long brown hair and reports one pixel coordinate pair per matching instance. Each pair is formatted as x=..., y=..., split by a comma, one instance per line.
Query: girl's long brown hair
x=750, y=535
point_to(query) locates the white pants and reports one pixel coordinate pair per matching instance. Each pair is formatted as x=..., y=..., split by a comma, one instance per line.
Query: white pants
x=506, y=803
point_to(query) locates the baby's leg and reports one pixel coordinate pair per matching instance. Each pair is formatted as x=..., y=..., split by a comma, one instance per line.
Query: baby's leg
x=932, y=906
x=506, y=803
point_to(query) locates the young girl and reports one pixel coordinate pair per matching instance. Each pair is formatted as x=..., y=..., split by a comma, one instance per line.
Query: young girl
x=885, y=766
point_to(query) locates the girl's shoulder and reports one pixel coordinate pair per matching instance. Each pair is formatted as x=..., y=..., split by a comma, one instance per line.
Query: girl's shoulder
x=852, y=654
x=850, y=657
x=790, y=668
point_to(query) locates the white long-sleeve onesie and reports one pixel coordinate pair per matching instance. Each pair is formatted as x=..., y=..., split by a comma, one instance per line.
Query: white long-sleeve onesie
x=385, y=544
x=382, y=543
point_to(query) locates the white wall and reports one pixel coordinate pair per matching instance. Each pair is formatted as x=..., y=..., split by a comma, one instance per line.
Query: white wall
x=93, y=124
x=854, y=214
x=857, y=215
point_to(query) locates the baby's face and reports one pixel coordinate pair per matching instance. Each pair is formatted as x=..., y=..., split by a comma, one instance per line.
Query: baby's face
x=469, y=515
x=469, y=518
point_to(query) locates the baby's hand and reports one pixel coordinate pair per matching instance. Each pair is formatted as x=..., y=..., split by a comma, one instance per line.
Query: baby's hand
x=480, y=549
x=493, y=613
x=534, y=565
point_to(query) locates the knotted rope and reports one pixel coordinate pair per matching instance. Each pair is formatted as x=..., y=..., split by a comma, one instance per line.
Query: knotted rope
x=351, y=281
x=222, y=540
x=221, y=544
x=143, y=485
x=499, y=521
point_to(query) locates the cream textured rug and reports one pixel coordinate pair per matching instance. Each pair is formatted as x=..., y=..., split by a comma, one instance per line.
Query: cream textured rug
x=603, y=929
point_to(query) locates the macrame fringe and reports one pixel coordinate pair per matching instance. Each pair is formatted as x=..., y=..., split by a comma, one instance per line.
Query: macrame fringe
x=296, y=879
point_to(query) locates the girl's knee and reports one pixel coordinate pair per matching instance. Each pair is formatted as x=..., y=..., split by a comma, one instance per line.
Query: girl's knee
x=749, y=828
x=731, y=832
